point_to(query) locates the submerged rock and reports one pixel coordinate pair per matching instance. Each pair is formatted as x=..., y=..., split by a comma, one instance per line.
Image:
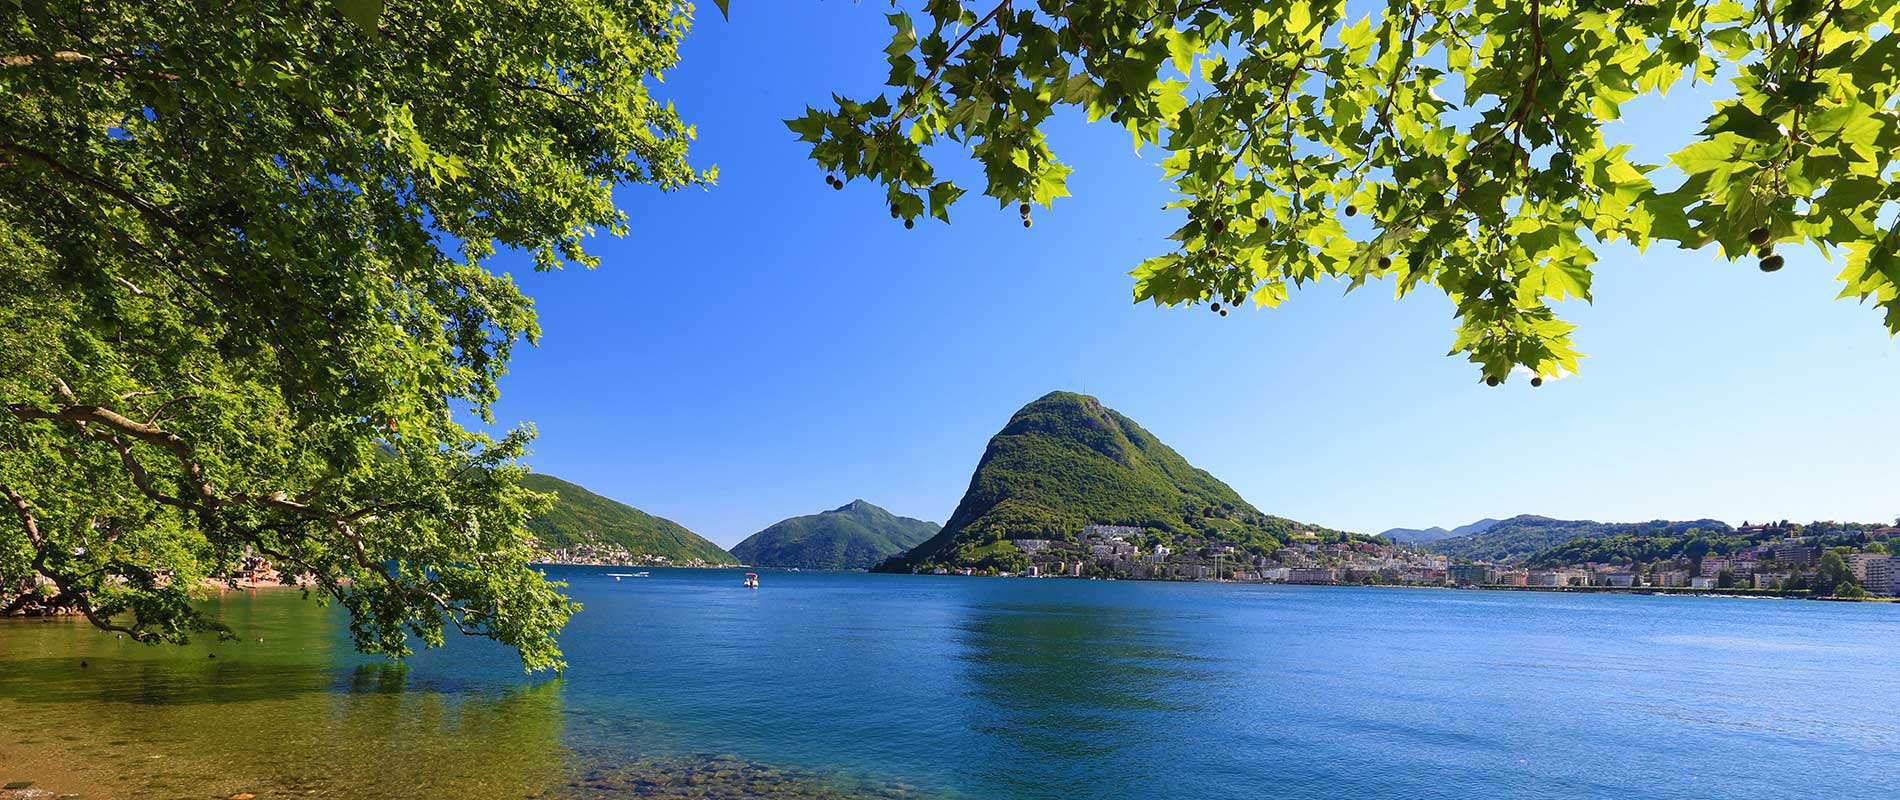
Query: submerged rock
x=721, y=777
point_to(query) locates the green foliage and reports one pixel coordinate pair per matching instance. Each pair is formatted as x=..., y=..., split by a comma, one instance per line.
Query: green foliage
x=1064, y=462
x=1451, y=143
x=1631, y=548
x=579, y=517
x=1849, y=590
x=1833, y=574
x=1539, y=538
x=1647, y=542
x=857, y=535
x=243, y=250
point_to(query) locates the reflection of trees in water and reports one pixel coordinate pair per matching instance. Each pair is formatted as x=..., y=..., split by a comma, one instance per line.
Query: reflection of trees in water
x=1075, y=685
x=289, y=713
x=297, y=714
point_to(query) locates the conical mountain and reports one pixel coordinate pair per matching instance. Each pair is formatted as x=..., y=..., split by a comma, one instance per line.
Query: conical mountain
x=581, y=518
x=857, y=535
x=1066, y=461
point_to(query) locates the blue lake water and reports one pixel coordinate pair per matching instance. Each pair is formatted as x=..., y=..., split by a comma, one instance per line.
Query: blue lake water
x=1008, y=688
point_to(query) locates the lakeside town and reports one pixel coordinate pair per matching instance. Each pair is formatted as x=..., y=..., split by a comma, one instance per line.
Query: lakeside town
x=607, y=554
x=1813, y=564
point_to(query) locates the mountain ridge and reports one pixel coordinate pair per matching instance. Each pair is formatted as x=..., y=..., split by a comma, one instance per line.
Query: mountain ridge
x=1434, y=533
x=582, y=520
x=1065, y=461
x=1525, y=535
x=856, y=535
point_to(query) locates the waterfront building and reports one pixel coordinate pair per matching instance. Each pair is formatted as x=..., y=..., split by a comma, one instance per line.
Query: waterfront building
x=1670, y=578
x=1310, y=575
x=1875, y=572
x=1470, y=574
x=1621, y=580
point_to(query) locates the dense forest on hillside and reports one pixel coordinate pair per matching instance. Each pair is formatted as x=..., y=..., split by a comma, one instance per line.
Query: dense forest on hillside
x=1523, y=536
x=1065, y=461
x=1693, y=544
x=580, y=517
x=857, y=535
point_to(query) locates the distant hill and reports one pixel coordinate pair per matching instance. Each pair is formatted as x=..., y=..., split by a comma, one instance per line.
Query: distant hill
x=1524, y=536
x=580, y=517
x=857, y=535
x=1066, y=461
x=1434, y=533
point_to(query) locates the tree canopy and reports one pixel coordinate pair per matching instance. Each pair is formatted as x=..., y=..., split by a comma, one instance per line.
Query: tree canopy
x=245, y=254
x=1451, y=143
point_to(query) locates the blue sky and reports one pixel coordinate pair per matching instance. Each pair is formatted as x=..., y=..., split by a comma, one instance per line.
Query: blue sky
x=771, y=347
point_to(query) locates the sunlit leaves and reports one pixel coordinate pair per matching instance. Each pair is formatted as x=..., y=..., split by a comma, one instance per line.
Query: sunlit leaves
x=265, y=230
x=1451, y=143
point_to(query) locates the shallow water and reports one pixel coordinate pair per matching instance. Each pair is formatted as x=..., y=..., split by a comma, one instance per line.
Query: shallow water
x=845, y=685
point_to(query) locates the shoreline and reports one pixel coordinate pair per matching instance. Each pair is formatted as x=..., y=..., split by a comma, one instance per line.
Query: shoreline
x=1669, y=591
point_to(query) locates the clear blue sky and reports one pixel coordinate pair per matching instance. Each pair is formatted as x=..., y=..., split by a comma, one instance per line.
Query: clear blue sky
x=770, y=347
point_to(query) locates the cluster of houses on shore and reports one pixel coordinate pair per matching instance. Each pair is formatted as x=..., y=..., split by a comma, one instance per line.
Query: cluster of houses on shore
x=1877, y=573
x=1115, y=551
x=611, y=555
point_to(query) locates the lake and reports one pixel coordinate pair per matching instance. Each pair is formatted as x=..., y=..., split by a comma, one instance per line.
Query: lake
x=686, y=685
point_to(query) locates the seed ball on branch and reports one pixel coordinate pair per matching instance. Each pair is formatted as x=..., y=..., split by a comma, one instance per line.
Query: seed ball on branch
x=1758, y=237
x=1771, y=263
x=1352, y=211
x=1027, y=222
x=910, y=223
x=1537, y=381
x=1492, y=380
x=1023, y=209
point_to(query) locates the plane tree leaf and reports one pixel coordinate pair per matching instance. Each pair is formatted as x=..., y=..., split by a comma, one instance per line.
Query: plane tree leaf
x=1456, y=144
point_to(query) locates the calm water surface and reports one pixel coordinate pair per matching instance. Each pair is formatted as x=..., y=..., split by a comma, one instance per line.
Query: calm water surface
x=988, y=688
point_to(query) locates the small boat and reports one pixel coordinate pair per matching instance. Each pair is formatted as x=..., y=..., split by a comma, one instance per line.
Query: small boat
x=752, y=580
x=619, y=575
x=641, y=574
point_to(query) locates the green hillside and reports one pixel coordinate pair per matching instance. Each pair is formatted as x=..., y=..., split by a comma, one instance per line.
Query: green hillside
x=854, y=536
x=1523, y=536
x=580, y=517
x=1066, y=461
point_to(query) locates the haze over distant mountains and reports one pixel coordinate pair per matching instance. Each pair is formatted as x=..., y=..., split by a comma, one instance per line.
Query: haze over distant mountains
x=856, y=535
x=1066, y=461
x=1434, y=533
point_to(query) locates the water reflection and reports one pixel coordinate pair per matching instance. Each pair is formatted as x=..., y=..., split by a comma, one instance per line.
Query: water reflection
x=1077, y=687
x=283, y=711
